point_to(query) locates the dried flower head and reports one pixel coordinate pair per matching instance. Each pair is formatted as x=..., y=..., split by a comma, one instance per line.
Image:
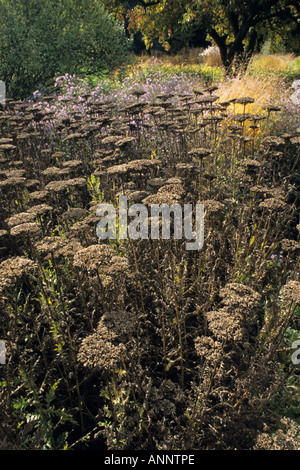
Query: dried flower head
x=241, y=297
x=20, y=218
x=12, y=183
x=99, y=352
x=50, y=245
x=63, y=185
x=14, y=269
x=40, y=209
x=287, y=437
x=291, y=247
x=291, y=291
x=226, y=326
x=273, y=205
x=122, y=323
x=26, y=230
x=38, y=196
x=212, y=207
x=208, y=349
x=101, y=258
x=75, y=213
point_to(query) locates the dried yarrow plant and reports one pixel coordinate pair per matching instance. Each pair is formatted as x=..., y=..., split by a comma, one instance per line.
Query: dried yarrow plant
x=140, y=344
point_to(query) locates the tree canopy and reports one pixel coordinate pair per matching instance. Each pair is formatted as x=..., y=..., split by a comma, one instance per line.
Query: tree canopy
x=233, y=25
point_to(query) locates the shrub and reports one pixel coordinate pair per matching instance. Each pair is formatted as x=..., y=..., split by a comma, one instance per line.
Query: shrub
x=285, y=66
x=211, y=56
x=41, y=39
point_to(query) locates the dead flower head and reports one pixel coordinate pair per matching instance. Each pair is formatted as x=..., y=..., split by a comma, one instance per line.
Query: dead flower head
x=102, y=259
x=291, y=291
x=14, y=269
x=98, y=351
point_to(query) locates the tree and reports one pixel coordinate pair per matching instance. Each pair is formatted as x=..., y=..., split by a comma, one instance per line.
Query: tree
x=231, y=24
x=42, y=38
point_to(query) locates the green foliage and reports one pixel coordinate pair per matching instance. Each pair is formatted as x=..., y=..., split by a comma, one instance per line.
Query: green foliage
x=38, y=416
x=94, y=188
x=40, y=39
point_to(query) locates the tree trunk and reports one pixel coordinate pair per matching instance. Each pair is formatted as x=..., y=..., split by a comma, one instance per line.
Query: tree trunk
x=221, y=43
x=237, y=59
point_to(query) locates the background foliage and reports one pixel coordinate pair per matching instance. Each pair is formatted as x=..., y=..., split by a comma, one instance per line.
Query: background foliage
x=237, y=27
x=41, y=39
